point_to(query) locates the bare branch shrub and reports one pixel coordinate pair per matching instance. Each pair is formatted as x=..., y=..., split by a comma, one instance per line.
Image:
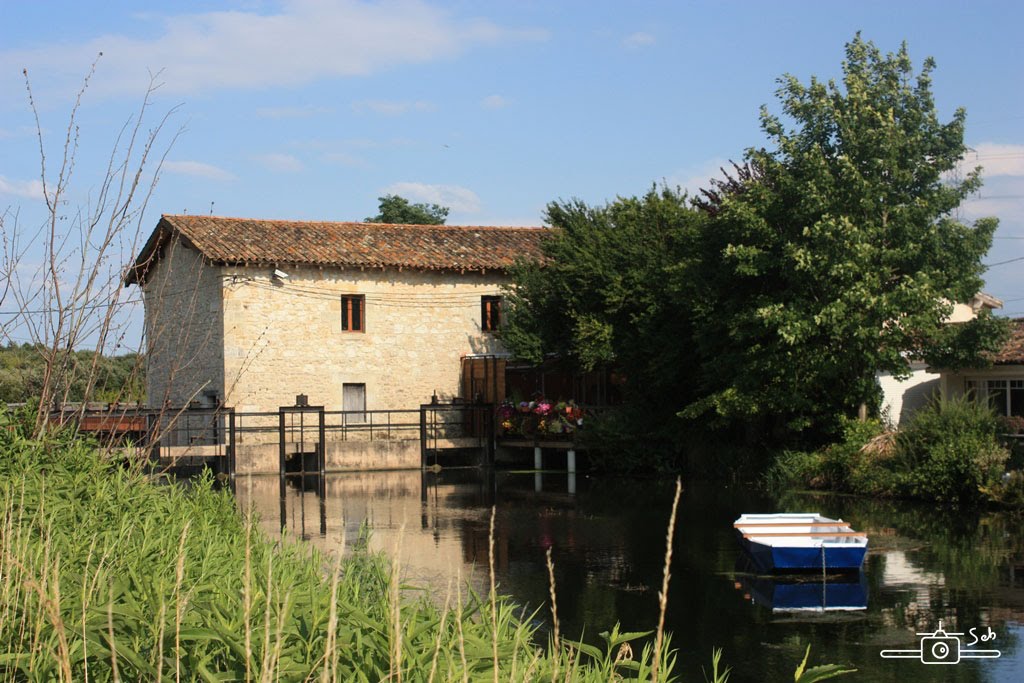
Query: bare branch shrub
x=63, y=275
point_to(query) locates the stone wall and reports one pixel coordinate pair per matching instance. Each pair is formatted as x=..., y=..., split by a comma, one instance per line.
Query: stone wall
x=283, y=336
x=184, y=329
x=342, y=456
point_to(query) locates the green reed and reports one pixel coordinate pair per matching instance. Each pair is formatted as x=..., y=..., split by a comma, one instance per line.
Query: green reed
x=105, y=575
x=108, y=576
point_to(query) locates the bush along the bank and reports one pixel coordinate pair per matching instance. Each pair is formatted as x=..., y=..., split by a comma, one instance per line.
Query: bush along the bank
x=949, y=451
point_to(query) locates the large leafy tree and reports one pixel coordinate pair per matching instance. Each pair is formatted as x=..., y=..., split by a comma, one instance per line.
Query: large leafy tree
x=837, y=252
x=607, y=294
x=397, y=209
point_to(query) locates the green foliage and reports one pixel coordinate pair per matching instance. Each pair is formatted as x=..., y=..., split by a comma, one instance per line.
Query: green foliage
x=617, y=660
x=1008, y=491
x=608, y=292
x=718, y=676
x=818, y=673
x=949, y=451
x=764, y=310
x=968, y=344
x=117, y=378
x=838, y=252
x=793, y=469
x=835, y=467
x=396, y=209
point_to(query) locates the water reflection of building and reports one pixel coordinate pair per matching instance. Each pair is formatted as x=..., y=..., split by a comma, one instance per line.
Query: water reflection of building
x=898, y=571
x=435, y=539
x=438, y=526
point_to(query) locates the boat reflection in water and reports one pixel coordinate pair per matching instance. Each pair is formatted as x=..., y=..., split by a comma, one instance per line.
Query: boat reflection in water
x=802, y=592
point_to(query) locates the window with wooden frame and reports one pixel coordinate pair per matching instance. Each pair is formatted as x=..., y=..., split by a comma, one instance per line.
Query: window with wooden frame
x=490, y=313
x=353, y=313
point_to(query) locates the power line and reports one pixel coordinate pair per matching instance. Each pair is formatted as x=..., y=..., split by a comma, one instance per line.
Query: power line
x=85, y=307
x=1003, y=263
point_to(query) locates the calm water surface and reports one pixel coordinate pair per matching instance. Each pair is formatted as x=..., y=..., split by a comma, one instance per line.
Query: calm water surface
x=607, y=536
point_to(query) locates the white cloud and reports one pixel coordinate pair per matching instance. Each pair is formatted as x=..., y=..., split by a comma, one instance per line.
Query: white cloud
x=639, y=39
x=306, y=40
x=693, y=179
x=1001, y=196
x=26, y=189
x=511, y=221
x=291, y=112
x=278, y=161
x=494, y=102
x=455, y=197
x=996, y=159
x=345, y=159
x=391, y=108
x=198, y=169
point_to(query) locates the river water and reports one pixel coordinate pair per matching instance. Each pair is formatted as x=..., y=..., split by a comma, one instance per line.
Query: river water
x=607, y=536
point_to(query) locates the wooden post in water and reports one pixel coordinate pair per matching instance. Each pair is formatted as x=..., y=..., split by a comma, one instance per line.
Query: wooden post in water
x=423, y=437
x=322, y=447
x=282, y=454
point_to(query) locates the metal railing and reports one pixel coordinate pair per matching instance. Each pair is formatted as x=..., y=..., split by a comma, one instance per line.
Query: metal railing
x=339, y=425
x=212, y=432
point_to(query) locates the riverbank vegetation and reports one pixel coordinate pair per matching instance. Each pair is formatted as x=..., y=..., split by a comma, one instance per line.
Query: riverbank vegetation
x=109, y=575
x=951, y=451
x=100, y=377
x=757, y=314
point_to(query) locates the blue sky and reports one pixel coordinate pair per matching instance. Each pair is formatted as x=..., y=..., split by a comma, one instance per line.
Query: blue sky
x=311, y=109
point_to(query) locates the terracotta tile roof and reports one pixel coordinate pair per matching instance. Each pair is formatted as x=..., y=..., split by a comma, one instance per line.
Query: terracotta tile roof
x=375, y=245
x=1013, y=350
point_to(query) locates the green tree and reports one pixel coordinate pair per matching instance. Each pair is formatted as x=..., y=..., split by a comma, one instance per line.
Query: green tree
x=396, y=209
x=837, y=253
x=606, y=294
x=89, y=376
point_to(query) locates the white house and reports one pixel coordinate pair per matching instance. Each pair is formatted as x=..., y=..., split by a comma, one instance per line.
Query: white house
x=901, y=397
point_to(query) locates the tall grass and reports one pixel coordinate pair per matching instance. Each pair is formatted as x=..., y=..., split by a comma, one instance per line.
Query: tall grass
x=106, y=576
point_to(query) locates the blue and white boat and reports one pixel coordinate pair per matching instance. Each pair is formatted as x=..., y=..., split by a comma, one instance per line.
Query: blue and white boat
x=803, y=541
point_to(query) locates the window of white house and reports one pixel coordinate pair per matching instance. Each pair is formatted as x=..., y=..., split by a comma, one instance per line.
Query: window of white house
x=353, y=402
x=353, y=313
x=1004, y=396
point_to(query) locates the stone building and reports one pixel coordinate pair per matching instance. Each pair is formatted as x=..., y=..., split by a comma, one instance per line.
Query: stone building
x=357, y=316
